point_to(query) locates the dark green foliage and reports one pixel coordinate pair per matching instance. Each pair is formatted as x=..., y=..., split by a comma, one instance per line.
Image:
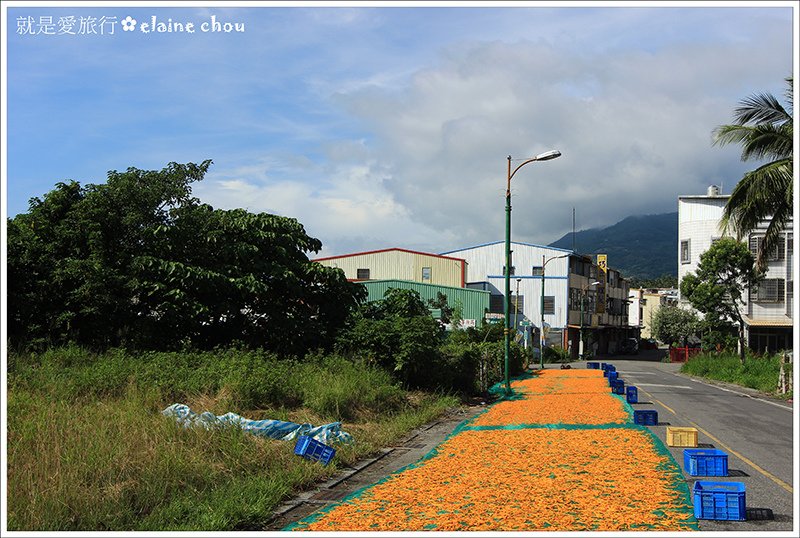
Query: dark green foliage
x=556, y=354
x=138, y=262
x=396, y=333
x=722, y=337
x=441, y=303
x=643, y=246
x=764, y=129
x=725, y=272
x=673, y=324
x=664, y=281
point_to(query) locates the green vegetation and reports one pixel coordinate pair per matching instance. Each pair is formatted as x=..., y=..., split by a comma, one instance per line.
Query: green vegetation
x=138, y=262
x=663, y=281
x=758, y=372
x=725, y=272
x=89, y=450
x=764, y=129
x=398, y=334
x=674, y=325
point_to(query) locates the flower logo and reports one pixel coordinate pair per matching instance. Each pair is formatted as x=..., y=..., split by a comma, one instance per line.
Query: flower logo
x=128, y=24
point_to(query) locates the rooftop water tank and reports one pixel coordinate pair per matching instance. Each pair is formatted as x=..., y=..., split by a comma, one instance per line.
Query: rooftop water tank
x=713, y=190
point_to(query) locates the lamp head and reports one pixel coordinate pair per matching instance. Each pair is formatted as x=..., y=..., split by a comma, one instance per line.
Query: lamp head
x=548, y=155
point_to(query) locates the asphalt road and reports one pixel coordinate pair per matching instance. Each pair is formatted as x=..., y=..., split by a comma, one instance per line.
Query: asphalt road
x=755, y=431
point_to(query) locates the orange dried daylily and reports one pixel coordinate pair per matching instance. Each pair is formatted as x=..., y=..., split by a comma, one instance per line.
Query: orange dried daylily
x=562, y=478
x=528, y=479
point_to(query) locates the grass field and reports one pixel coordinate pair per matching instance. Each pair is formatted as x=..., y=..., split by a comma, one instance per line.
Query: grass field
x=88, y=448
x=760, y=373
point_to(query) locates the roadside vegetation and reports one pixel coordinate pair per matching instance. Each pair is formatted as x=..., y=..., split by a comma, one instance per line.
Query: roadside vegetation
x=89, y=450
x=758, y=372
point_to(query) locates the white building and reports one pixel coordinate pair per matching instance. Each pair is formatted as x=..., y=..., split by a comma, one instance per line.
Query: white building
x=564, y=279
x=767, y=311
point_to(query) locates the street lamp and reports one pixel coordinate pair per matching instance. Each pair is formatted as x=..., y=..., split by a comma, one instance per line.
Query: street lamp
x=584, y=289
x=541, y=329
x=546, y=156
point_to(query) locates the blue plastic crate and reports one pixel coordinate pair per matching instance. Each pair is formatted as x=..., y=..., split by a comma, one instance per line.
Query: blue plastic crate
x=593, y=365
x=603, y=366
x=611, y=367
x=705, y=462
x=618, y=386
x=612, y=376
x=632, y=394
x=719, y=500
x=647, y=417
x=311, y=449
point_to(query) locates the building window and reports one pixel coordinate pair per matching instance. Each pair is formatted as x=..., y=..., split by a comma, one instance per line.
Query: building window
x=685, y=251
x=537, y=270
x=426, y=273
x=769, y=290
x=362, y=274
x=512, y=270
x=496, y=304
x=549, y=304
x=778, y=254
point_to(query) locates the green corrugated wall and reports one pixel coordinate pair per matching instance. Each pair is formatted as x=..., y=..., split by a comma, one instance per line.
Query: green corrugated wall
x=473, y=302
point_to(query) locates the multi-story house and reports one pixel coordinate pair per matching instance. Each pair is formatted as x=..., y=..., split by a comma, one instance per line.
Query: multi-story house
x=767, y=309
x=556, y=286
x=644, y=303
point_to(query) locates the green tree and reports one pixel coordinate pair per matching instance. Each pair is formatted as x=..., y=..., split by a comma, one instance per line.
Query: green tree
x=138, y=261
x=672, y=324
x=764, y=129
x=725, y=272
x=397, y=333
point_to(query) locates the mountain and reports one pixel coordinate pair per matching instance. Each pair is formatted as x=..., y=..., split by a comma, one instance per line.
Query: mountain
x=643, y=246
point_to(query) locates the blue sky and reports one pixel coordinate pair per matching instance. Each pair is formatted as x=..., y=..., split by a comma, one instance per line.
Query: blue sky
x=389, y=126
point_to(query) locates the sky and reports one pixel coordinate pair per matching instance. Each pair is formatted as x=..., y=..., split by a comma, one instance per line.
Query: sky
x=380, y=126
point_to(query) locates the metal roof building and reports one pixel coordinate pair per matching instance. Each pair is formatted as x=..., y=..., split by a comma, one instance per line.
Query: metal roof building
x=400, y=264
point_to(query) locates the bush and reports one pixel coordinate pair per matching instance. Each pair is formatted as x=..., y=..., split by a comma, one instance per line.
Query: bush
x=458, y=368
x=555, y=354
x=336, y=387
x=760, y=373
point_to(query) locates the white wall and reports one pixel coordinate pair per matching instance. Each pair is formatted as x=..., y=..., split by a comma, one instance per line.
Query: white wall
x=485, y=263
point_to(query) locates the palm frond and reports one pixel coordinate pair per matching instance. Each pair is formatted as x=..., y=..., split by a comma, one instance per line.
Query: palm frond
x=773, y=235
x=760, y=194
x=760, y=108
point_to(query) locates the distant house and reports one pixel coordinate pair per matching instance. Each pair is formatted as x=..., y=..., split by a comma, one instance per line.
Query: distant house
x=643, y=305
x=767, y=310
x=400, y=264
x=555, y=283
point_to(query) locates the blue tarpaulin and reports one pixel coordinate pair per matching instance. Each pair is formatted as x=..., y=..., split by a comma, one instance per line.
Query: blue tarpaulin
x=274, y=429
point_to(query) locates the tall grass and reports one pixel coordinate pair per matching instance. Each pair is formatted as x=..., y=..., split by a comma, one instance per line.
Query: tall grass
x=89, y=450
x=760, y=373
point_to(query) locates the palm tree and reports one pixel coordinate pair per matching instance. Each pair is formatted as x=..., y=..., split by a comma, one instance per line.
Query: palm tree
x=764, y=129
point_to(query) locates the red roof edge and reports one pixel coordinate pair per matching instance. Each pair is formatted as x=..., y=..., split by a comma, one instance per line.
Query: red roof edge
x=462, y=260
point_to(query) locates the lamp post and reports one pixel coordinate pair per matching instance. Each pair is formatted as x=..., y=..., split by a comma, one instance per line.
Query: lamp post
x=516, y=309
x=584, y=289
x=541, y=327
x=546, y=156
